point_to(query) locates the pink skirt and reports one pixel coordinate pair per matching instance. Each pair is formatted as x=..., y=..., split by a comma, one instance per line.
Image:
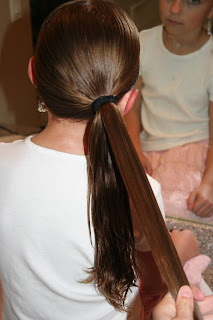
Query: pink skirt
x=179, y=171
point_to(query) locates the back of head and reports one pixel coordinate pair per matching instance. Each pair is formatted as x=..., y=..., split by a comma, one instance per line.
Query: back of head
x=85, y=49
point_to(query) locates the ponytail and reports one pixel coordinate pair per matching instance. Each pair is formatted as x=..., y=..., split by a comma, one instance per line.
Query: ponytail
x=114, y=266
x=144, y=202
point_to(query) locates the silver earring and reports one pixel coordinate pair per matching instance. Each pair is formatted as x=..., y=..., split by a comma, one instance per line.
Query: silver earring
x=41, y=105
x=209, y=26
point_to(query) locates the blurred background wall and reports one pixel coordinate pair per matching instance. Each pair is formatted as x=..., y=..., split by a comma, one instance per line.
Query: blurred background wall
x=17, y=96
x=143, y=12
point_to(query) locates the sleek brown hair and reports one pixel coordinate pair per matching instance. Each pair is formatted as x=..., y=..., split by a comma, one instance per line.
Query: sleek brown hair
x=87, y=49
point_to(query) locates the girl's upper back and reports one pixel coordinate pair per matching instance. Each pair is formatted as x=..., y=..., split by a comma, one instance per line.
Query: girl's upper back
x=44, y=237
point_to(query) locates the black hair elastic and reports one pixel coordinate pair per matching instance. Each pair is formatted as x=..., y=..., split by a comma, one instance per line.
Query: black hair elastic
x=100, y=101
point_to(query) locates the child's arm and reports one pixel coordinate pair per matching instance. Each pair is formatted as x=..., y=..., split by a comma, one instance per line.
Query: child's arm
x=200, y=200
x=134, y=127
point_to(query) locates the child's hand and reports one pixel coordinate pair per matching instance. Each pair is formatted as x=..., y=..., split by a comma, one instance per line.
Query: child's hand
x=200, y=200
x=146, y=164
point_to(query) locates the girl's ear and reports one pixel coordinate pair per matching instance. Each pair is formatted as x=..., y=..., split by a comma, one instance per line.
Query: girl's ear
x=31, y=71
x=127, y=101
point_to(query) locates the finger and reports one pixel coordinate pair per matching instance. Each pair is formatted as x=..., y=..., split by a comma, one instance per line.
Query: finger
x=208, y=316
x=191, y=199
x=166, y=309
x=201, y=208
x=209, y=211
x=198, y=294
x=199, y=204
x=205, y=211
x=206, y=305
x=184, y=304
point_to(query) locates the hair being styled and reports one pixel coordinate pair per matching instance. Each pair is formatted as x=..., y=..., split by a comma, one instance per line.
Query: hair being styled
x=87, y=49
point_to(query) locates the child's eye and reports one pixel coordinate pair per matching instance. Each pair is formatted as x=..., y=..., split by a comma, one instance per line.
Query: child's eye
x=193, y=1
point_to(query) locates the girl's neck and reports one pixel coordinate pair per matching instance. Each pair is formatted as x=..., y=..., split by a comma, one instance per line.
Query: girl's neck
x=185, y=44
x=62, y=135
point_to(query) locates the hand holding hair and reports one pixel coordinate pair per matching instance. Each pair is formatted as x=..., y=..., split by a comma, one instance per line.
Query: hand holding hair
x=182, y=309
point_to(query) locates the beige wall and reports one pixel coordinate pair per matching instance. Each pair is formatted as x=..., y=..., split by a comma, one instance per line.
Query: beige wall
x=17, y=96
x=143, y=12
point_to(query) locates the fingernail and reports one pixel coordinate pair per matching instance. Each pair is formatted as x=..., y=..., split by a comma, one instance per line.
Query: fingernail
x=186, y=293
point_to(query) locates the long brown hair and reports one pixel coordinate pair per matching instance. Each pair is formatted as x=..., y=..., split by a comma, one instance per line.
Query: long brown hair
x=86, y=49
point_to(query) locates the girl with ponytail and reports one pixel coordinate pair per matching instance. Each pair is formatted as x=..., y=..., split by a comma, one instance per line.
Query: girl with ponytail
x=66, y=229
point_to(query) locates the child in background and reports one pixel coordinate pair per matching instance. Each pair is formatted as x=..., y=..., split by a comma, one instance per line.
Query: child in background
x=176, y=117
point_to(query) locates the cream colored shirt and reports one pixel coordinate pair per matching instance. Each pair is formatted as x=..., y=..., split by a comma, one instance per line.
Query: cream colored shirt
x=176, y=93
